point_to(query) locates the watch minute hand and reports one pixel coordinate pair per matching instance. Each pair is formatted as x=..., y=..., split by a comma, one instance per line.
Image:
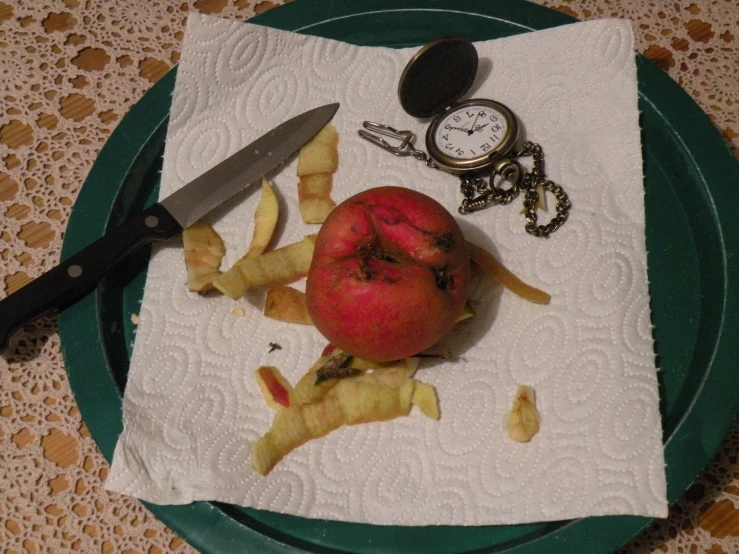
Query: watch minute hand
x=472, y=128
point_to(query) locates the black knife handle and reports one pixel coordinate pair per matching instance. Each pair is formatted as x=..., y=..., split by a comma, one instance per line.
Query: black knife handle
x=79, y=274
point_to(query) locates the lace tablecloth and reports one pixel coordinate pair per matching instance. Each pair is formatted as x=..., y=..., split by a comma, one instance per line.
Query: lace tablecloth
x=71, y=69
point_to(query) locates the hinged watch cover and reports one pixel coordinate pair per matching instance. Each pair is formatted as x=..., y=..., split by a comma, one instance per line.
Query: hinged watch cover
x=437, y=76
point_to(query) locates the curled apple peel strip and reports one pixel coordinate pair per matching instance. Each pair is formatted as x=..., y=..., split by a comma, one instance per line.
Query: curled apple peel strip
x=377, y=394
x=265, y=221
x=504, y=276
x=204, y=250
x=283, y=265
x=317, y=162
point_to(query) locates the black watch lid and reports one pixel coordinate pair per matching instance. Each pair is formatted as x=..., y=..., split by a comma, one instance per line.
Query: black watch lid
x=437, y=76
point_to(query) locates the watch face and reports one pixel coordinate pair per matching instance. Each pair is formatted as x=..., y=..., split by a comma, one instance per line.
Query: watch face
x=471, y=135
x=471, y=131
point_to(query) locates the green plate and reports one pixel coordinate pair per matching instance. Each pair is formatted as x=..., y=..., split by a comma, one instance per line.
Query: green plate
x=692, y=236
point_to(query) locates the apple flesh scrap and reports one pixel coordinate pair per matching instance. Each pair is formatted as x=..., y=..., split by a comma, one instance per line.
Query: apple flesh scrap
x=390, y=274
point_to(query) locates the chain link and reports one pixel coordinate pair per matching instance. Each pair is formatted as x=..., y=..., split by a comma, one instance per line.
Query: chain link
x=479, y=194
x=420, y=155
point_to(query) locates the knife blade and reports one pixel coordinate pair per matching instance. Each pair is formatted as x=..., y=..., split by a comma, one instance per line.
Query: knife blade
x=81, y=272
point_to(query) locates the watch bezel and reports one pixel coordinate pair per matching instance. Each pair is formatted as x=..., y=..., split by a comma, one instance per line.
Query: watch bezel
x=457, y=165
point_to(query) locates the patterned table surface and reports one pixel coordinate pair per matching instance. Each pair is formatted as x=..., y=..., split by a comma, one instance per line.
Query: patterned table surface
x=71, y=69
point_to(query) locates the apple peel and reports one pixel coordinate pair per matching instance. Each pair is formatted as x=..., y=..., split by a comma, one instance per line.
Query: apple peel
x=307, y=390
x=317, y=162
x=204, y=250
x=310, y=388
x=321, y=154
x=277, y=392
x=317, y=408
x=283, y=265
x=265, y=221
x=351, y=401
x=314, y=197
x=425, y=397
x=523, y=419
x=504, y=276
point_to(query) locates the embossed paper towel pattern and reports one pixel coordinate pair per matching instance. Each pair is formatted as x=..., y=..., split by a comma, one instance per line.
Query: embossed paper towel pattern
x=191, y=406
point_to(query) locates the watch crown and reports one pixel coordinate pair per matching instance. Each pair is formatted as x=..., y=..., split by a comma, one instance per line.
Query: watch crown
x=507, y=169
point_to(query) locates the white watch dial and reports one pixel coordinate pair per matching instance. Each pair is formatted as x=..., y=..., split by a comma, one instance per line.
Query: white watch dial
x=471, y=131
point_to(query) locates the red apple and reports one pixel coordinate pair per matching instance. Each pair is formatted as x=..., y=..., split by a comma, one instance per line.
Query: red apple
x=389, y=274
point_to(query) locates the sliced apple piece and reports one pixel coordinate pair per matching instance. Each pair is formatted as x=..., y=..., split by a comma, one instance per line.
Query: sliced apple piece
x=505, y=277
x=204, y=251
x=289, y=263
x=314, y=197
x=285, y=303
x=265, y=221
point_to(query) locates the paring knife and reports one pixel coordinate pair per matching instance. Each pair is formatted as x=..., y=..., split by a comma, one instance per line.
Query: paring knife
x=76, y=276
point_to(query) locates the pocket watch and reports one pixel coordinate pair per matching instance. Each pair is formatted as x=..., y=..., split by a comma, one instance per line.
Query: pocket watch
x=463, y=136
x=471, y=138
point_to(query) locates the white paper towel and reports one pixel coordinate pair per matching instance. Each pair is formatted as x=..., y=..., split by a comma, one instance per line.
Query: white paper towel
x=191, y=406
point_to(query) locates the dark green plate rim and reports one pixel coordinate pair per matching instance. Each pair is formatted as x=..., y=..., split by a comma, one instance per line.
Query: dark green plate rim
x=136, y=143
